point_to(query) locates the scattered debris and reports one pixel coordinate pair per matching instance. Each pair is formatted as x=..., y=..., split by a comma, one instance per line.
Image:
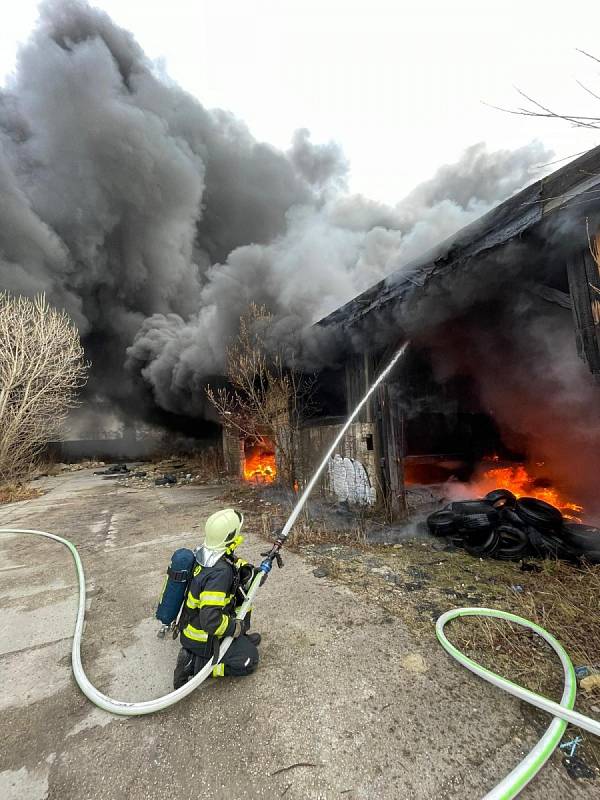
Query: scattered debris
x=578, y=769
x=114, y=469
x=571, y=745
x=166, y=480
x=529, y=566
x=583, y=672
x=79, y=465
x=294, y=766
x=591, y=683
x=171, y=471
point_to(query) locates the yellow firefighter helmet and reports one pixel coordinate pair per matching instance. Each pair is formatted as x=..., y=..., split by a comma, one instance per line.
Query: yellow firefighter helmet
x=222, y=528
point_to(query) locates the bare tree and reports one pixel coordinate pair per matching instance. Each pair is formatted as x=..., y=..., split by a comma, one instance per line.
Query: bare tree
x=268, y=397
x=42, y=368
x=537, y=109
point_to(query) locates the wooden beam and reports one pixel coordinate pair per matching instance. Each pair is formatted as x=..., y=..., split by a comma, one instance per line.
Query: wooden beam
x=358, y=378
x=391, y=431
x=584, y=287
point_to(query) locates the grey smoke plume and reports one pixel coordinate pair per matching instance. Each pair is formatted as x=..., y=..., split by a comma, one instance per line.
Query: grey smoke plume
x=155, y=221
x=328, y=254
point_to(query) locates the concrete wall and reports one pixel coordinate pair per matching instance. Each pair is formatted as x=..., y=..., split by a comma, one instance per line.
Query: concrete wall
x=233, y=453
x=352, y=474
x=102, y=449
x=124, y=448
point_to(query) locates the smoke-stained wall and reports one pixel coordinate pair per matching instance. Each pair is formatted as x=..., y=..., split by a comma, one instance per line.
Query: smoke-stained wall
x=155, y=221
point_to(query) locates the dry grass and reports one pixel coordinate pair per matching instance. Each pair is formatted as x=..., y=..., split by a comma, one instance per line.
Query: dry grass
x=564, y=600
x=207, y=463
x=306, y=533
x=417, y=584
x=48, y=469
x=16, y=492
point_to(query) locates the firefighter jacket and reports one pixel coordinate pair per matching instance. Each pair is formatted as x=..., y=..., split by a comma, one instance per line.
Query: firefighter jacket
x=213, y=599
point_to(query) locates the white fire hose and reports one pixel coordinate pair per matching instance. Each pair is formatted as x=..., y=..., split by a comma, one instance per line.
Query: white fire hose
x=508, y=788
x=126, y=708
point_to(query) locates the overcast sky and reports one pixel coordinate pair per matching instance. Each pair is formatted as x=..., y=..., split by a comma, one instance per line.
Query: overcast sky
x=399, y=84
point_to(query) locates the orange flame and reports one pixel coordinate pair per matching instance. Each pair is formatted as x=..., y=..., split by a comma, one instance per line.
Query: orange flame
x=259, y=466
x=518, y=480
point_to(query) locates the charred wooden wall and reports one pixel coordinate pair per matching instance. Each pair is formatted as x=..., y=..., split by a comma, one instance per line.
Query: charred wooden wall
x=392, y=447
x=584, y=286
x=382, y=413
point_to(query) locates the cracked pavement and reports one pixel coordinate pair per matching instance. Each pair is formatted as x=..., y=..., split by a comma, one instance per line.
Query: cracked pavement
x=346, y=702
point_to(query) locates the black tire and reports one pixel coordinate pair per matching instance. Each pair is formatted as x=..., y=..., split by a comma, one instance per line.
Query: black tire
x=509, y=516
x=581, y=541
x=514, y=543
x=475, y=516
x=582, y=537
x=547, y=544
x=484, y=548
x=538, y=513
x=501, y=498
x=441, y=523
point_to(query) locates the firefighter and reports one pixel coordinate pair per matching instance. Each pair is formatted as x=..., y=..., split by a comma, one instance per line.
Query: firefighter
x=215, y=594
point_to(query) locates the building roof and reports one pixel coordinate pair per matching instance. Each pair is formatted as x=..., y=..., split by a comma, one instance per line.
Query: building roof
x=574, y=186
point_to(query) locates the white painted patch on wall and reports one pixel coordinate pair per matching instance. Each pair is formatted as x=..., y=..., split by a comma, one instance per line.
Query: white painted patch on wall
x=350, y=482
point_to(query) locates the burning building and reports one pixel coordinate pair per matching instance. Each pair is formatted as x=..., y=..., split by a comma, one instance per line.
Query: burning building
x=122, y=203
x=501, y=380
x=250, y=459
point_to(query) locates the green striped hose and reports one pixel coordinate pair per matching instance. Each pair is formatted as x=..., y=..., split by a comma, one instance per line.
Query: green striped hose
x=563, y=712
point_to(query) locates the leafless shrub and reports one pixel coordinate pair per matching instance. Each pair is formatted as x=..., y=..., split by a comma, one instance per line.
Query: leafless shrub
x=42, y=368
x=268, y=397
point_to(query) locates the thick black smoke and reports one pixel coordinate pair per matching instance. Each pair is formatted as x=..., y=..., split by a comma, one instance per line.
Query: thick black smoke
x=520, y=352
x=155, y=221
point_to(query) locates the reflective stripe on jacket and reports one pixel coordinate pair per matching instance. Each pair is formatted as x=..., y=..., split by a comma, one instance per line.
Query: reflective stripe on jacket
x=210, y=606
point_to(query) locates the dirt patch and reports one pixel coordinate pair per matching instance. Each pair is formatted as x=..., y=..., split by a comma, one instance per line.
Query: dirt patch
x=417, y=580
x=416, y=583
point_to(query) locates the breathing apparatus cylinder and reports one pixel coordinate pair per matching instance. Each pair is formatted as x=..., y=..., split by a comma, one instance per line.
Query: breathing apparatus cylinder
x=179, y=574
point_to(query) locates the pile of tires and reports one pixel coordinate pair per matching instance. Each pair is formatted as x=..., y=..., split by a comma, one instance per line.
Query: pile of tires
x=504, y=527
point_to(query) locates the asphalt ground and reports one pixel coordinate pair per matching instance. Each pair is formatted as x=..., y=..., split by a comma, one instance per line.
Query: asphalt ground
x=346, y=702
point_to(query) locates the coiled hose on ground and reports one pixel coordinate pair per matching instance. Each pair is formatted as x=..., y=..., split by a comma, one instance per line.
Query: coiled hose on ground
x=150, y=706
x=563, y=712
